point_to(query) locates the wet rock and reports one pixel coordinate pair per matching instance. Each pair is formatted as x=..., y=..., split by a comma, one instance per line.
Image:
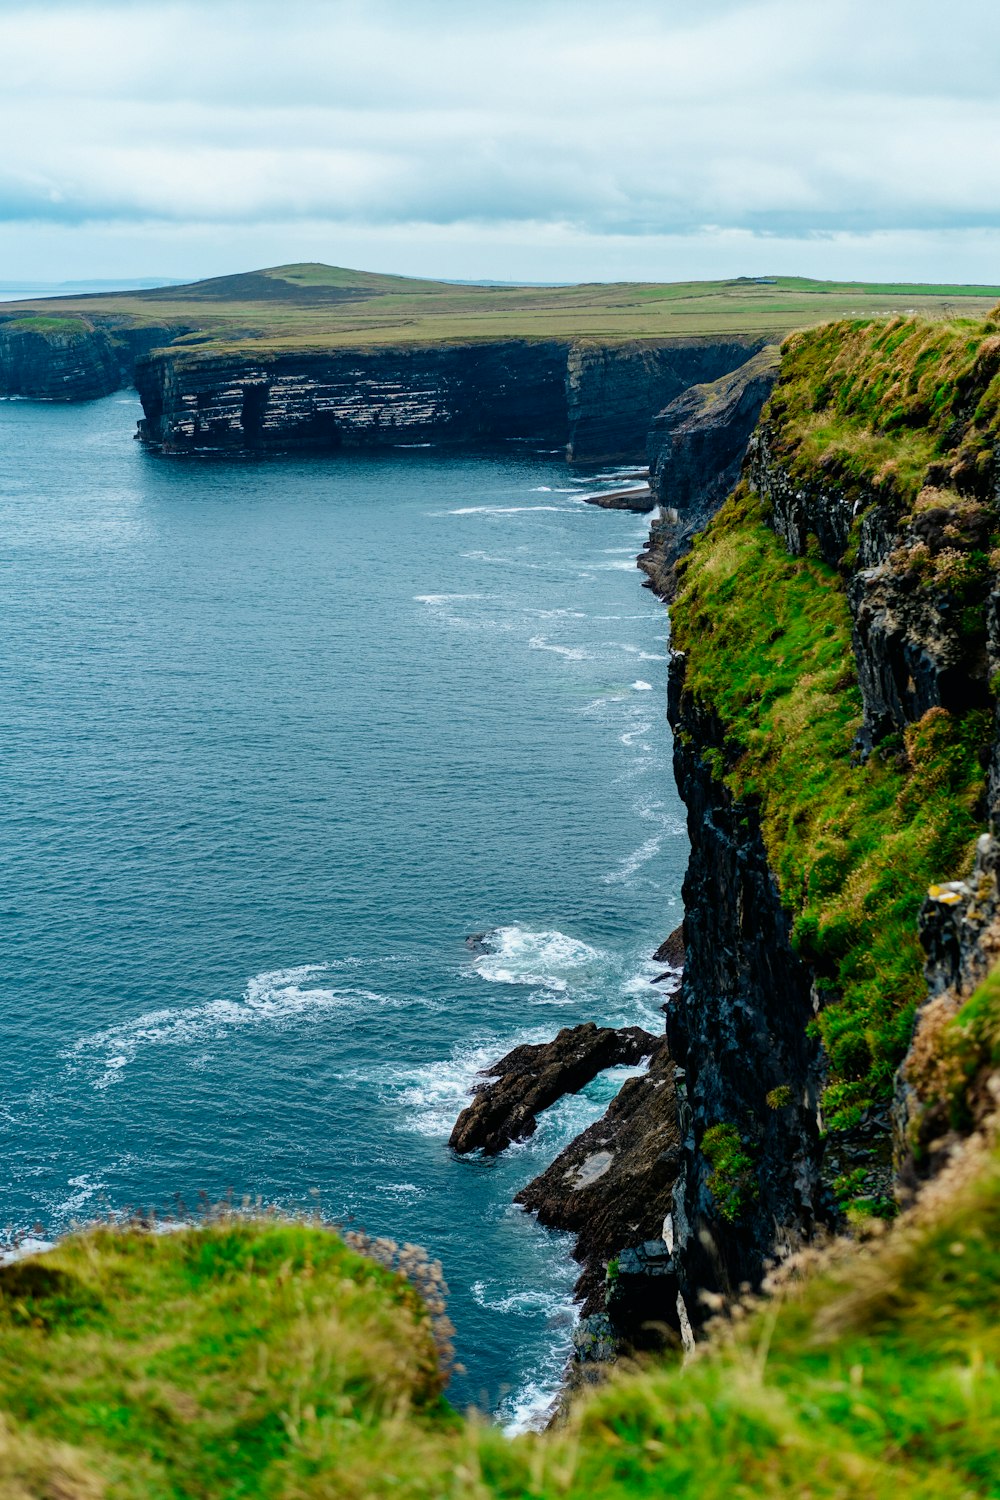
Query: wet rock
x=638, y=498
x=480, y=943
x=531, y=1077
x=671, y=950
x=613, y=1187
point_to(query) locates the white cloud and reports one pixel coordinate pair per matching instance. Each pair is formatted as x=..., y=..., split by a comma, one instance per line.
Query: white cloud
x=601, y=122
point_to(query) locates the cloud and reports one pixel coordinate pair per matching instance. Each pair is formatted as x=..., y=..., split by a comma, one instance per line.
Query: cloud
x=629, y=120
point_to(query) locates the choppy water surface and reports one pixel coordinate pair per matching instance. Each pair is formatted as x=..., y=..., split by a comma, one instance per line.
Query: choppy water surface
x=276, y=738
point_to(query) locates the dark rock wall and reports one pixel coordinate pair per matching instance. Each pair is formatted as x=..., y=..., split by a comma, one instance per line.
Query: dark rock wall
x=911, y=646
x=696, y=448
x=463, y=394
x=613, y=391
x=739, y=1025
x=57, y=365
x=598, y=401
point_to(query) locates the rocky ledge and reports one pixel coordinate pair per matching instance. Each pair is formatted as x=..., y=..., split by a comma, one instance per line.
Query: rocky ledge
x=515, y=1090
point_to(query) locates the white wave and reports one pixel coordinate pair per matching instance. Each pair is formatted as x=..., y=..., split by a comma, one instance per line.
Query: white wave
x=635, y=861
x=571, y=653
x=541, y=489
x=274, y=998
x=85, y=1188
x=504, y=510
x=435, y=599
x=631, y=735
x=524, y=1302
x=550, y=959
x=427, y=1098
x=642, y=687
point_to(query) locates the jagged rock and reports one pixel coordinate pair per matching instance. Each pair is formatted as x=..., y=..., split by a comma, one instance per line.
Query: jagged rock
x=479, y=942
x=532, y=1077
x=613, y=1186
x=671, y=950
x=911, y=645
x=638, y=499
x=614, y=390
x=959, y=928
x=696, y=448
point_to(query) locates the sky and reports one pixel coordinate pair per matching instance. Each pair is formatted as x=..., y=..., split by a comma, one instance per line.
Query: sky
x=524, y=140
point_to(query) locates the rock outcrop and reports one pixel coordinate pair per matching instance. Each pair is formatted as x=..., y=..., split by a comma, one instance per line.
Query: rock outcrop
x=696, y=448
x=613, y=1187
x=516, y=1089
x=73, y=358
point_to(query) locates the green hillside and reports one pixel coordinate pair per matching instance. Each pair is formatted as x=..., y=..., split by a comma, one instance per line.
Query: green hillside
x=318, y=306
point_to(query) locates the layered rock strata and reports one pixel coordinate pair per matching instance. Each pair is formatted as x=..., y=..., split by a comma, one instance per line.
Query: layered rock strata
x=597, y=401
x=72, y=359
x=56, y=360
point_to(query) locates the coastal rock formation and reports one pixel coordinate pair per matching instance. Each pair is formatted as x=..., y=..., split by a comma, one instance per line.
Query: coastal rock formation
x=740, y=1025
x=73, y=358
x=56, y=359
x=613, y=1188
x=614, y=390
x=595, y=400
x=463, y=394
x=530, y=1078
x=696, y=448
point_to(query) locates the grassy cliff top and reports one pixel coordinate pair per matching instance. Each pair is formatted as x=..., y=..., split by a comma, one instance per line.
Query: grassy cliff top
x=313, y=306
x=260, y=1359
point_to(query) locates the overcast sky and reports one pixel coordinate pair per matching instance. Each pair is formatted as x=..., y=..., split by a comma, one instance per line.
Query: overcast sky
x=537, y=140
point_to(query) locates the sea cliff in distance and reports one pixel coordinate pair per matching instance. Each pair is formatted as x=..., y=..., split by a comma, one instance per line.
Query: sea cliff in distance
x=319, y=357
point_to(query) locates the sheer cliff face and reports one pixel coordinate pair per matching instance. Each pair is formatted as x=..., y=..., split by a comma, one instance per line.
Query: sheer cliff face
x=56, y=359
x=354, y=398
x=73, y=359
x=598, y=401
x=613, y=392
x=824, y=800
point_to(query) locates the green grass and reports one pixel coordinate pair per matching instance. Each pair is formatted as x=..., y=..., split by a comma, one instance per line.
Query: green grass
x=74, y=327
x=872, y=405
x=241, y=313
x=266, y=1360
x=853, y=847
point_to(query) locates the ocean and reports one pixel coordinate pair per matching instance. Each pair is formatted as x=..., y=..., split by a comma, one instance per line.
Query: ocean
x=277, y=737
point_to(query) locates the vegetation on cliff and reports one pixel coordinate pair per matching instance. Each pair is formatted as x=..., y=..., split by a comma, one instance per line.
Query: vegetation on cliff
x=268, y=1359
x=853, y=846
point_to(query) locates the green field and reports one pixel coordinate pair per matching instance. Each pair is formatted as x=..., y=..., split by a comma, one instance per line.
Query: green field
x=317, y=307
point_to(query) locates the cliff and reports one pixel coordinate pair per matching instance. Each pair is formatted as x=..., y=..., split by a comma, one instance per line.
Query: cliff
x=59, y=358
x=597, y=401
x=833, y=704
x=613, y=392
x=695, y=449
x=56, y=359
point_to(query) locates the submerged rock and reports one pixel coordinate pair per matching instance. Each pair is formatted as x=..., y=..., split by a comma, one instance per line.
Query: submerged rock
x=531, y=1077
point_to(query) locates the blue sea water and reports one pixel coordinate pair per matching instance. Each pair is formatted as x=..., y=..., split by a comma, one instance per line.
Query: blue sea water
x=276, y=738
